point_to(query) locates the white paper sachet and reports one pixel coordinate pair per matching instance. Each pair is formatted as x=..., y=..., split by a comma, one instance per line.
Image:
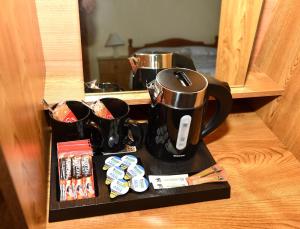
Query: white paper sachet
x=168, y=181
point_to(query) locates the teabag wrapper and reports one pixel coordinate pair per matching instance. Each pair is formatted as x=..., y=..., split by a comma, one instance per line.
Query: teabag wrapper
x=101, y=111
x=63, y=113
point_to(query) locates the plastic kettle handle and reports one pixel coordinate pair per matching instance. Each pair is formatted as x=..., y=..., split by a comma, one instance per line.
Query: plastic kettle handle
x=221, y=92
x=181, y=61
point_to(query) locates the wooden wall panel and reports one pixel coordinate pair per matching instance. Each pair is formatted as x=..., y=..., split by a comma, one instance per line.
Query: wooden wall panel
x=264, y=22
x=279, y=58
x=60, y=33
x=237, y=30
x=22, y=135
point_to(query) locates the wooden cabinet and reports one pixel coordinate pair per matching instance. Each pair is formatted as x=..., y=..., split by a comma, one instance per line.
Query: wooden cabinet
x=262, y=171
x=115, y=70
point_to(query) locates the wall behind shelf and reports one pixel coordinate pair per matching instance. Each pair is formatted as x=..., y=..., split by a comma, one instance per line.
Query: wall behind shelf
x=277, y=54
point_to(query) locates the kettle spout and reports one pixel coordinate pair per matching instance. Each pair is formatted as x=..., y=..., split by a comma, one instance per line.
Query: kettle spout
x=153, y=92
x=134, y=62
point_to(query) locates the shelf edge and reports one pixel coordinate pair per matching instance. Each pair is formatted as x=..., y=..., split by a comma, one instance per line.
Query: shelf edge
x=257, y=85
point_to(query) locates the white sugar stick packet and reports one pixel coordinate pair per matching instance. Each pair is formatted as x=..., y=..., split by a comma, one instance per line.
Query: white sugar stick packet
x=168, y=181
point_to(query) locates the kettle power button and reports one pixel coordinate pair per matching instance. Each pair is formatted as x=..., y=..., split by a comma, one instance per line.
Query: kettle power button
x=183, y=132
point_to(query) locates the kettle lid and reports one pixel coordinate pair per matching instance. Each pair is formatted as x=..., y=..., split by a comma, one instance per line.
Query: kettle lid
x=181, y=88
x=181, y=80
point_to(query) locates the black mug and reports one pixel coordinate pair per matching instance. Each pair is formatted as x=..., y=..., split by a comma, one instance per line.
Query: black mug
x=114, y=132
x=68, y=131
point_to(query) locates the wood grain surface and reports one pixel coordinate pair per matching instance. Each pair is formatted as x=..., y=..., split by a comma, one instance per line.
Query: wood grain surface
x=60, y=34
x=6, y=216
x=22, y=135
x=279, y=58
x=264, y=178
x=237, y=30
x=11, y=215
x=263, y=24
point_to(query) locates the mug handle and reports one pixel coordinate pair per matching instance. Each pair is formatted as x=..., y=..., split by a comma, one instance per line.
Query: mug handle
x=138, y=130
x=94, y=126
x=221, y=92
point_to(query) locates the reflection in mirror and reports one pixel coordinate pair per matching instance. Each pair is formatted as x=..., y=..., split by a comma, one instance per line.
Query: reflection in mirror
x=113, y=30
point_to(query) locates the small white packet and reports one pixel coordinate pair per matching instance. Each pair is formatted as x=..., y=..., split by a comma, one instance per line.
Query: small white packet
x=168, y=181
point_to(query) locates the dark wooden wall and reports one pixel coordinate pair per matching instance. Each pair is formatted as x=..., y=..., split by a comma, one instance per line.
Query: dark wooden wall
x=23, y=139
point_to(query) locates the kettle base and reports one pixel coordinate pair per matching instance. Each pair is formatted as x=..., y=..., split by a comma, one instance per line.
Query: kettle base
x=162, y=155
x=193, y=163
x=167, y=152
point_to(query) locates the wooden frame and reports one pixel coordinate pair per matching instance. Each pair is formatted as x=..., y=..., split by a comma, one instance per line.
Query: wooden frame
x=237, y=30
x=60, y=34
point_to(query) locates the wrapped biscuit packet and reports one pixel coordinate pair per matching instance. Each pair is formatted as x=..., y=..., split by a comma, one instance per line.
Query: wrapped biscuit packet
x=101, y=111
x=63, y=113
x=75, y=170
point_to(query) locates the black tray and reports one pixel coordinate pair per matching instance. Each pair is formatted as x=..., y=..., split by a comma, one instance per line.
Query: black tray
x=132, y=201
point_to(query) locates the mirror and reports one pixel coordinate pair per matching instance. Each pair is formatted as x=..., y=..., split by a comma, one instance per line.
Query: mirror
x=107, y=25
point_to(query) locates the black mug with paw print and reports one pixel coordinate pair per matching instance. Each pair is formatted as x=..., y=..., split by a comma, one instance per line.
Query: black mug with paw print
x=179, y=97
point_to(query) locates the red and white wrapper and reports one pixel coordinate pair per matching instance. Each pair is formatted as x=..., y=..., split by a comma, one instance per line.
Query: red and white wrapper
x=81, y=184
x=101, y=111
x=63, y=113
x=88, y=185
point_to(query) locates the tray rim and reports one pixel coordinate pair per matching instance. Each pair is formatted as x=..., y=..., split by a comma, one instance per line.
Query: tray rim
x=92, y=207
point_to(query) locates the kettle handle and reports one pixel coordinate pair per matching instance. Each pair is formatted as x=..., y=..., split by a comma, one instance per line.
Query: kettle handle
x=181, y=61
x=221, y=92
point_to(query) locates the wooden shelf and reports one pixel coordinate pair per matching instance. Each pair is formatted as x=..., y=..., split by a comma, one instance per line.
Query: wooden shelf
x=257, y=85
x=263, y=174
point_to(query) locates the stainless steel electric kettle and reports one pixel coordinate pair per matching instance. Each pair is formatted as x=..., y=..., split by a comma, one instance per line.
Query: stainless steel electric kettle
x=145, y=66
x=176, y=124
